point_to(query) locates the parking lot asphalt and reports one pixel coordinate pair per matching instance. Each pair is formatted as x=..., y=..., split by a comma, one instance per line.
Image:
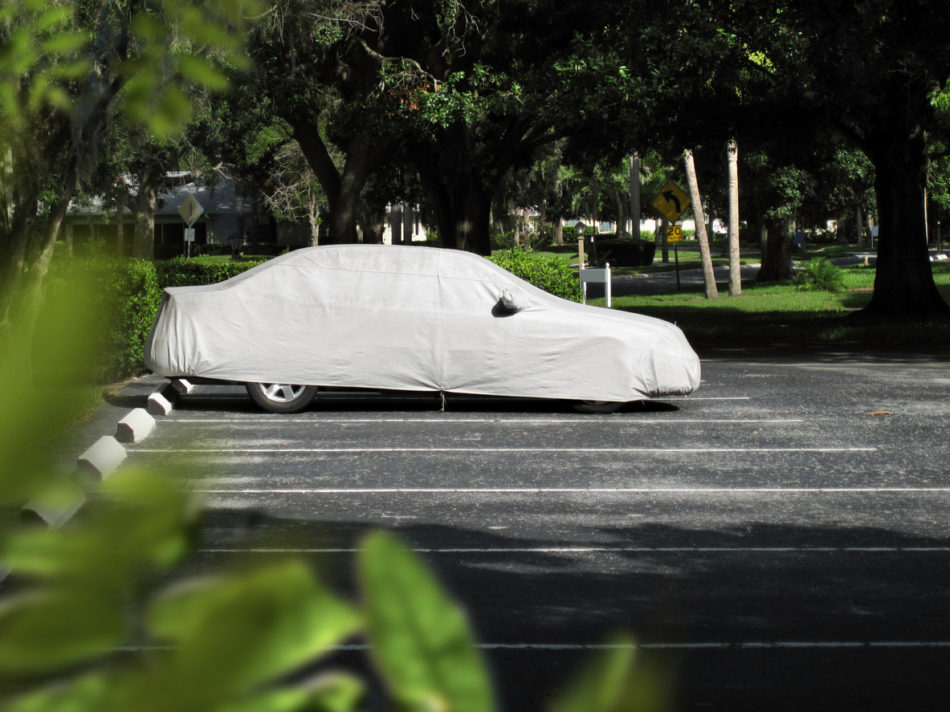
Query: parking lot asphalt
x=779, y=539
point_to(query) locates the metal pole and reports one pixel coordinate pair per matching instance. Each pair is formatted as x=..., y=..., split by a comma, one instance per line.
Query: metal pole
x=635, y=195
x=676, y=258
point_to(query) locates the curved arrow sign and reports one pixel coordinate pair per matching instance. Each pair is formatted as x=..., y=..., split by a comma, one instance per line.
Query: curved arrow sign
x=671, y=202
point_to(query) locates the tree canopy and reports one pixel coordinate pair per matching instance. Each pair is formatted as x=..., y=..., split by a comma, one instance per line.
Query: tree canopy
x=443, y=102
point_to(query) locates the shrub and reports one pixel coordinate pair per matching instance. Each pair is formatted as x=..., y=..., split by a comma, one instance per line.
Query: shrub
x=503, y=240
x=819, y=275
x=133, y=297
x=215, y=248
x=544, y=237
x=548, y=273
x=180, y=272
x=569, y=233
x=115, y=301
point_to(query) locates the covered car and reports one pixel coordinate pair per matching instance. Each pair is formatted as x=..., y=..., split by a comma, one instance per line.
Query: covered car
x=414, y=319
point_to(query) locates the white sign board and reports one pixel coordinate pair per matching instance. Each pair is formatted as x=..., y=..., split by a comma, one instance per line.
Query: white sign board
x=189, y=234
x=191, y=210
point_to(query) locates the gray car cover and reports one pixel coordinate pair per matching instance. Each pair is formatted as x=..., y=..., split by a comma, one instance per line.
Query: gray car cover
x=413, y=318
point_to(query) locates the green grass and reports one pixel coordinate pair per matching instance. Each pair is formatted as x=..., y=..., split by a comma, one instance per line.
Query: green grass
x=783, y=314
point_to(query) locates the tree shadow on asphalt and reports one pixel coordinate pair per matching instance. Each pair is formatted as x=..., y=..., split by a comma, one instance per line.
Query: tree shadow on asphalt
x=755, y=583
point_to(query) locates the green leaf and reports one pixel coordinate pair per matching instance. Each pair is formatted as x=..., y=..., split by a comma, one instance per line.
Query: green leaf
x=148, y=28
x=53, y=17
x=202, y=72
x=331, y=692
x=600, y=687
x=618, y=679
x=234, y=632
x=90, y=693
x=173, y=111
x=65, y=42
x=43, y=631
x=420, y=639
x=70, y=70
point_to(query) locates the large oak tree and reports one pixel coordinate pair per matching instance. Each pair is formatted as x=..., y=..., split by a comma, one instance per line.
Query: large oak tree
x=868, y=70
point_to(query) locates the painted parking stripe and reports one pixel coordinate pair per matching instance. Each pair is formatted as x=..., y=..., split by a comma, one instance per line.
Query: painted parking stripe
x=604, y=550
x=503, y=450
x=578, y=490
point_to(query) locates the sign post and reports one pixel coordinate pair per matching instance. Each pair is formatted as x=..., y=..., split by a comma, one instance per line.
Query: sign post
x=674, y=234
x=671, y=202
x=190, y=211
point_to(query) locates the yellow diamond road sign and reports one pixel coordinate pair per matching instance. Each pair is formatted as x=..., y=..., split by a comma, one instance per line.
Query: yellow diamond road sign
x=191, y=210
x=671, y=202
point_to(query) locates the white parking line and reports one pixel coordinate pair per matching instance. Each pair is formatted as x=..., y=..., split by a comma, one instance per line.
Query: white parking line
x=606, y=550
x=504, y=450
x=581, y=490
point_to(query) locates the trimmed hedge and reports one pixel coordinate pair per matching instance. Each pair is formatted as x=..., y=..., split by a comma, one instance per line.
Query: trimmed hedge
x=105, y=307
x=549, y=273
x=182, y=272
x=95, y=320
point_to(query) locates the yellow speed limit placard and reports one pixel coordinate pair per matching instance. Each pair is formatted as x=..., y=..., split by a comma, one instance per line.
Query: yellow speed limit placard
x=674, y=233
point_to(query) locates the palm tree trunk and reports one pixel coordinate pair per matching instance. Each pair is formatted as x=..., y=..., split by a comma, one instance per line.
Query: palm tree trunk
x=735, y=266
x=709, y=275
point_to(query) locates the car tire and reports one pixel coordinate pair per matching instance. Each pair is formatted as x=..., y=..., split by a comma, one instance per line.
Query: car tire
x=598, y=406
x=281, y=397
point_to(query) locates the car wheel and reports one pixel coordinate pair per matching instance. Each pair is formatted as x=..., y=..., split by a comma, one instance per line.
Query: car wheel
x=281, y=397
x=598, y=406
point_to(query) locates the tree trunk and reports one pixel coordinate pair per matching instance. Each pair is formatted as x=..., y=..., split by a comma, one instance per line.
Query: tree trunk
x=903, y=281
x=621, y=218
x=464, y=220
x=343, y=190
x=143, y=234
x=709, y=275
x=635, y=195
x=464, y=208
x=777, y=255
x=313, y=220
x=735, y=265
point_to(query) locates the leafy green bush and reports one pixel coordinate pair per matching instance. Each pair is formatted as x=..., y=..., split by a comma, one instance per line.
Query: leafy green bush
x=549, y=273
x=123, y=296
x=182, y=272
x=569, y=233
x=120, y=298
x=132, y=296
x=503, y=240
x=819, y=275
